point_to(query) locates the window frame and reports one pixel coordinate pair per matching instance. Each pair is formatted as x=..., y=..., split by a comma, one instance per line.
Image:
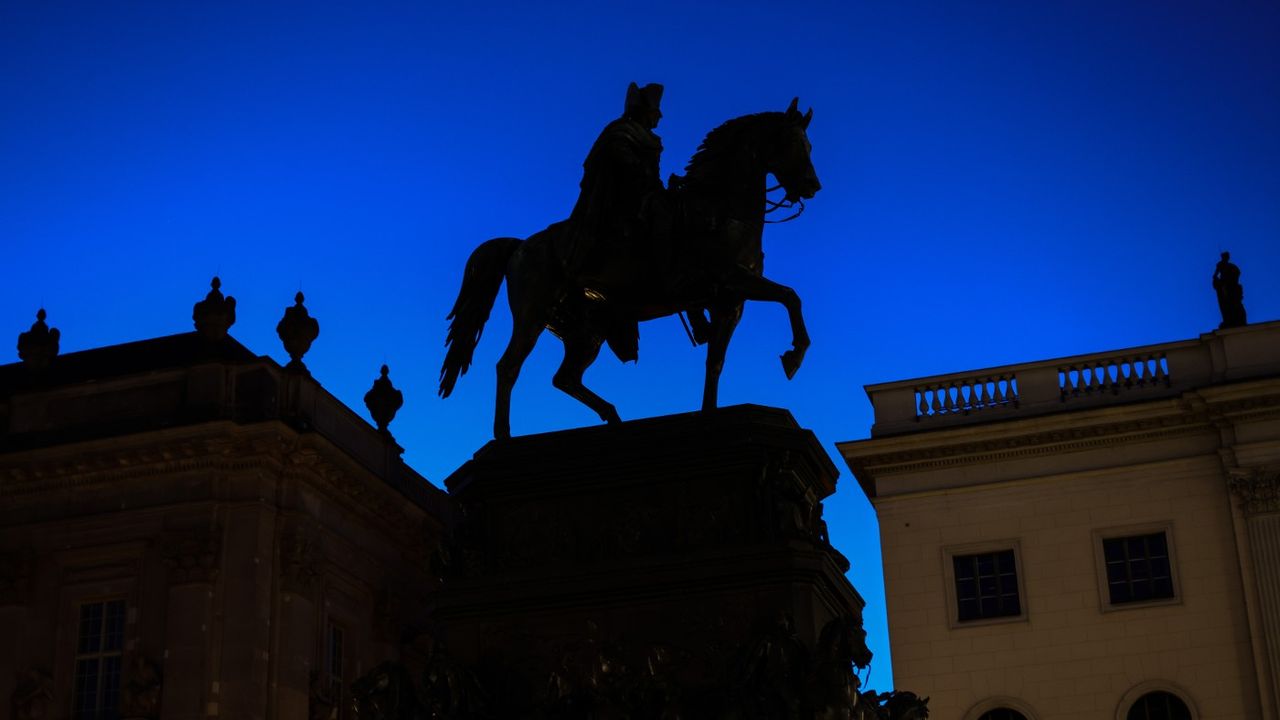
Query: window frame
x=949, y=552
x=1100, y=565
x=101, y=654
x=336, y=687
x=91, y=575
x=1000, y=702
x=1137, y=692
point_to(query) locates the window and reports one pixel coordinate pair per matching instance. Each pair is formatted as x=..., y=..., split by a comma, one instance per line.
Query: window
x=99, y=646
x=986, y=586
x=1136, y=567
x=1159, y=705
x=1002, y=714
x=333, y=666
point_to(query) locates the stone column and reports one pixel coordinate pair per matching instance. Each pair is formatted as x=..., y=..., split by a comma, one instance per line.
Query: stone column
x=245, y=601
x=192, y=559
x=1259, y=495
x=296, y=633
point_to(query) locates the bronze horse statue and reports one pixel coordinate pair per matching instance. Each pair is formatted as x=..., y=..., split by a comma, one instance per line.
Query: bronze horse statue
x=697, y=246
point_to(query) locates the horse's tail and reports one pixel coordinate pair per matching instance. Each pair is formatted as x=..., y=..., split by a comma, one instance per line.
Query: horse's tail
x=480, y=283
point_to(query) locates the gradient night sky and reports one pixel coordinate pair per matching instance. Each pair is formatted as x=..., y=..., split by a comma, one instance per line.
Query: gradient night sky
x=1003, y=181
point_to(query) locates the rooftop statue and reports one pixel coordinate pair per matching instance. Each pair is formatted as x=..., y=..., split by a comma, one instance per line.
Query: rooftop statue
x=1226, y=283
x=633, y=250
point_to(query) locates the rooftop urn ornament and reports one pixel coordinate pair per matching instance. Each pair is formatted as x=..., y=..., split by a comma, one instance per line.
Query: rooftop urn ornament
x=215, y=314
x=1226, y=283
x=383, y=400
x=297, y=330
x=38, y=346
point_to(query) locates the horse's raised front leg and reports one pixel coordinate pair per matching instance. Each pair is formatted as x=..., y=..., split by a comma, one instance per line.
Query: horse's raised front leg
x=723, y=322
x=756, y=287
x=579, y=352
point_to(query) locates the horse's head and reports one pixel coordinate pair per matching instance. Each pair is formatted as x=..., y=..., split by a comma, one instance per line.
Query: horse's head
x=787, y=156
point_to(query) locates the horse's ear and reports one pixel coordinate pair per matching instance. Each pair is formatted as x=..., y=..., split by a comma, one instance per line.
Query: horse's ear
x=804, y=123
x=791, y=109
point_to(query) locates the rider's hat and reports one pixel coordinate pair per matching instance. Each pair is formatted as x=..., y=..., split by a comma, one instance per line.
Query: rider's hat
x=643, y=98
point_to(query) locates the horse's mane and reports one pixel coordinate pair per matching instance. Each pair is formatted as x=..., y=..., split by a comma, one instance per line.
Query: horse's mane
x=724, y=140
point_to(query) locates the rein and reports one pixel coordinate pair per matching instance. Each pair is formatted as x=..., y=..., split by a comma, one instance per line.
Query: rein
x=784, y=205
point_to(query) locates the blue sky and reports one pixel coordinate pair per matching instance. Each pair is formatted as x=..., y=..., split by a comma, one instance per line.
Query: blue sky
x=1003, y=181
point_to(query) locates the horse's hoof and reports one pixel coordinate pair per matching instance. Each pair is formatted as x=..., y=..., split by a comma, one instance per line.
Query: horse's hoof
x=790, y=363
x=502, y=433
x=611, y=417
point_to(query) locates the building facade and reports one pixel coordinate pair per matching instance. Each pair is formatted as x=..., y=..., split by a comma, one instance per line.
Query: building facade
x=1087, y=537
x=189, y=530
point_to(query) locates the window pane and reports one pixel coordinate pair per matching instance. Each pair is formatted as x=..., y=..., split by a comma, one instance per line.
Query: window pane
x=986, y=564
x=96, y=685
x=86, y=698
x=986, y=585
x=1002, y=714
x=111, y=688
x=1159, y=706
x=90, y=628
x=1138, y=568
x=114, y=636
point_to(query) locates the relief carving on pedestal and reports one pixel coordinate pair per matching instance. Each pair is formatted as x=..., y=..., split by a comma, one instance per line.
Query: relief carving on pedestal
x=1257, y=488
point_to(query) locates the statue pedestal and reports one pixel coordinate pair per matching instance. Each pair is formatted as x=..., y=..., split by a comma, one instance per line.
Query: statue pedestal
x=679, y=561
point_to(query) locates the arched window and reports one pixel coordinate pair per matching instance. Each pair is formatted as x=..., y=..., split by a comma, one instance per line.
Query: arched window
x=1159, y=705
x=1002, y=714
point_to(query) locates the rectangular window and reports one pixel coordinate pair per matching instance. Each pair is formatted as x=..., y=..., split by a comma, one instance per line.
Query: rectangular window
x=1138, y=568
x=333, y=667
x=99, y=647
x=986, y=586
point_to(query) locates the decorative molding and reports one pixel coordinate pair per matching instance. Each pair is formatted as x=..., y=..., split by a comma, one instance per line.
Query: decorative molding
x=192, y=555
x=29, y=479
x=104, y=466
x=300, y=559
x=1025, y=446
x=311, y=460
x=140, y=688
x=1066, y=439
x=1258, y=489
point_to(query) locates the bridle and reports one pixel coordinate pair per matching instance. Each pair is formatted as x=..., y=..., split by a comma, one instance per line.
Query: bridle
x=773, y=206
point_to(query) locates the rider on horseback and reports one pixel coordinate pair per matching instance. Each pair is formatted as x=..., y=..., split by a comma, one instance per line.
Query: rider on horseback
x=621, y=210
x=619, y=173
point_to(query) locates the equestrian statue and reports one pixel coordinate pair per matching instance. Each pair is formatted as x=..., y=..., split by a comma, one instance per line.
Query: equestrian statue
x=633, y=250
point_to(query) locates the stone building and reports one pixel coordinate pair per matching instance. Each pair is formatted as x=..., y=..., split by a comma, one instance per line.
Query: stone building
x=189, y=530
x=192, y=531
x=1086, y=537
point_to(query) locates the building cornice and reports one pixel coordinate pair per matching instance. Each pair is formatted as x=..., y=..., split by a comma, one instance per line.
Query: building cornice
x=31, y=477
x=1192, y=414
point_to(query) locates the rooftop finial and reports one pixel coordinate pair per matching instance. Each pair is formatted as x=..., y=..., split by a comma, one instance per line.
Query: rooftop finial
x=297, y=330
x=383, y=400
x=38, y=346
x=214, y=315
